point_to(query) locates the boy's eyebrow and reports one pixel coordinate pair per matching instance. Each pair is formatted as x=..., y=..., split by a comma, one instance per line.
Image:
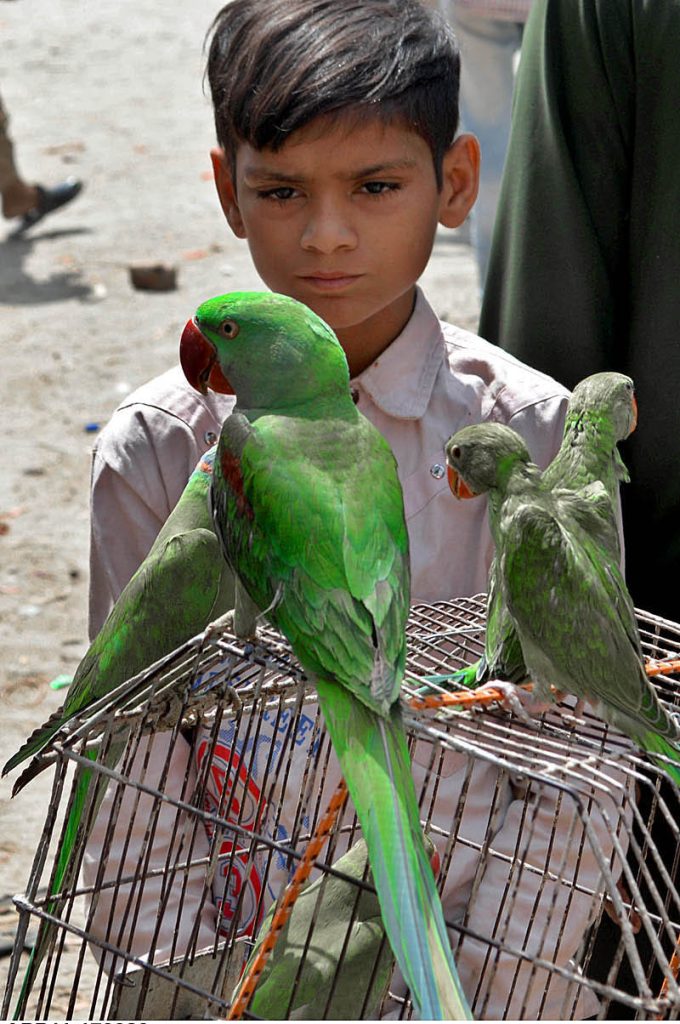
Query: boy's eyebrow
x=264, y=173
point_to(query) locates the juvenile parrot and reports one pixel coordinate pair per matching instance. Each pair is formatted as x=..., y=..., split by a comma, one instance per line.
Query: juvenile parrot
x=602, y=411
x=561, y=583
x=308, y=505
x=180, y=586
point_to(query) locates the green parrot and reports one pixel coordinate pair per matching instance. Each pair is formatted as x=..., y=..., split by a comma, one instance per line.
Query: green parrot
x=560, y=580
x=308, y=505
x=602, y=411
x=180, y=586
x=331, y=957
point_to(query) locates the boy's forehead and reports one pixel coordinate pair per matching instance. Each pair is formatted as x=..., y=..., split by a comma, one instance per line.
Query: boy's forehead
x=353, y=142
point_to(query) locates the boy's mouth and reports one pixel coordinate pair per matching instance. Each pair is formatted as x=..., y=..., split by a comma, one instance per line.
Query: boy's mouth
x=329, y=280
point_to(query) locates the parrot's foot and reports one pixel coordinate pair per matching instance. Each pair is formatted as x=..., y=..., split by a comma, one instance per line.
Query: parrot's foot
x=516, y=699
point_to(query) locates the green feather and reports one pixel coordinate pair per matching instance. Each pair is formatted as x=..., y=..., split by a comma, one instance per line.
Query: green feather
x=308, y=506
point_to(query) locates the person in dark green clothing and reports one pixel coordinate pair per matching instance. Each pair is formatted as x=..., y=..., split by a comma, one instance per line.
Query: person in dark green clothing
x=584, y=271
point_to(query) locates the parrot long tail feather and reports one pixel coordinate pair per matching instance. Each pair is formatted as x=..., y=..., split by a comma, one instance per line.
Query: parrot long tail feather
x=375, y=762
x=655, y=744
x=33, y=745
x=63, y=874
x=468, y=677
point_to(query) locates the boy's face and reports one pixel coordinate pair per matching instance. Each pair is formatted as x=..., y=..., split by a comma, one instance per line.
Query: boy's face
x=343, y=218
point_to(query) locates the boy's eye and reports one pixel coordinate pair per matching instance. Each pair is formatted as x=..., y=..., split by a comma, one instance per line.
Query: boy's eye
x=282, y=193
x=378, y=188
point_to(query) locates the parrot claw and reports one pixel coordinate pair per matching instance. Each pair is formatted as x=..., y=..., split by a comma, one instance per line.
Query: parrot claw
x=516, y=699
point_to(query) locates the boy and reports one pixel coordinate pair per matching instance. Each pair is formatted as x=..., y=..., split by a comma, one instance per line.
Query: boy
x=338, y=157
x=337, y=173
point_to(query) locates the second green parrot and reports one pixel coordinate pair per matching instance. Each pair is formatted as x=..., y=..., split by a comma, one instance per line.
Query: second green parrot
x=602, y=412
x=561, y=583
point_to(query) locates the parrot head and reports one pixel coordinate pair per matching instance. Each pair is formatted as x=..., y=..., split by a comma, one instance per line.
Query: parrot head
x=609, y=395
x=481, y=458
x=268, y=349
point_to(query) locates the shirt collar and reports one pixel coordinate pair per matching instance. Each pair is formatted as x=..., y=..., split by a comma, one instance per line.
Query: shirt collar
x=401, y=379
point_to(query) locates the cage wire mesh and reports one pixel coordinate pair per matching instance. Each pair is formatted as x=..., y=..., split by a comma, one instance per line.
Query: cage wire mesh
x=557, y=843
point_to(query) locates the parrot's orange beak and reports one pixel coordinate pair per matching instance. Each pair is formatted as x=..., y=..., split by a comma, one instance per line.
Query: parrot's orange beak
x=458, y=486
x=635, y=416
x=198, y=358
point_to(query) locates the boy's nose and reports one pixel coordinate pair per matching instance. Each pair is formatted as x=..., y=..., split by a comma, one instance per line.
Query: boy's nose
x=328, y=230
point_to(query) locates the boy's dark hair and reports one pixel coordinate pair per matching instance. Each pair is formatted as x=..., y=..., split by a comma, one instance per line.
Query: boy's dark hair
x=275, y=65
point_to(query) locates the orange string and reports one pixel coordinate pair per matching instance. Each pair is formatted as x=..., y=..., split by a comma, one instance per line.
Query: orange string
x=461, y=698
x=471, y=697
x=662, y=668
x=284, y=909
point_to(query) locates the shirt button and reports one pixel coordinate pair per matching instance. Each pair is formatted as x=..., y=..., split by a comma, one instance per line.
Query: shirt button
x=437, y=471
x=210, y=438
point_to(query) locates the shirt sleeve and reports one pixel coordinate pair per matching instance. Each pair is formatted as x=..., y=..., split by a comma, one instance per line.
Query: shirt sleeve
x=542, y=426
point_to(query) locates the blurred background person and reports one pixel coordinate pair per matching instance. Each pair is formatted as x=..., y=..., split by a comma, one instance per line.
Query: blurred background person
x=489, y=34
x=20, y=199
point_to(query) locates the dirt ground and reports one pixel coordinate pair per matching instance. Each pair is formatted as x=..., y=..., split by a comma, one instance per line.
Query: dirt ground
x=111, y=92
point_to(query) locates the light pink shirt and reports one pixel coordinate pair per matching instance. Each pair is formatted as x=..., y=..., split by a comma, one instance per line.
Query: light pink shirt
x=433, y=379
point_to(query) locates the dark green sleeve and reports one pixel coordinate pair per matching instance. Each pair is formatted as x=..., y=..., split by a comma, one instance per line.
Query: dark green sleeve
x=585, y=262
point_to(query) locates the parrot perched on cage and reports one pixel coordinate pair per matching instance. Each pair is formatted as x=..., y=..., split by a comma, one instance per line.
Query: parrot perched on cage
x=307, y=502
x=602, y=411
x=561, y=583
x=180, y=586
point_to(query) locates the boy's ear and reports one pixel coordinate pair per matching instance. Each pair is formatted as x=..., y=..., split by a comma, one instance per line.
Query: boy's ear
x=224, y=183
x=460, y=180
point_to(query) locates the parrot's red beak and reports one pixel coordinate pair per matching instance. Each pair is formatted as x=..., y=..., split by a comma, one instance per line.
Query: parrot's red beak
x=458, y=486
x=198, y=358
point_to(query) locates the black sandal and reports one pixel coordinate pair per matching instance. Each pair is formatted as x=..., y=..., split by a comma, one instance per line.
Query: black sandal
x=49, y=199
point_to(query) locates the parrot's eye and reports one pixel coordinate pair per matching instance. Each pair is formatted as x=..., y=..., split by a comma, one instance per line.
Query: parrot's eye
x=228, y=328
x=455, y=452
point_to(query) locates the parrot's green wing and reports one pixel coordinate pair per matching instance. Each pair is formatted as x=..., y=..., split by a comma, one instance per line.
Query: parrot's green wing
x=312, y=521
x=575, y=618
x=601, y=413
x=330, y=564
x=180, y=586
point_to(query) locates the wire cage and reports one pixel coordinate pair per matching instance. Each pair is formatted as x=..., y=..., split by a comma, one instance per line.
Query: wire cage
x=556, y=846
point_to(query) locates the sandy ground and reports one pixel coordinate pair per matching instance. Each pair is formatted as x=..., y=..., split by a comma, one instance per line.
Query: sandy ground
x=111, y=92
